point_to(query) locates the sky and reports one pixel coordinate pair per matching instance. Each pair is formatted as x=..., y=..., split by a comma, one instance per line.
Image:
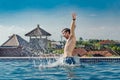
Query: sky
x=96, y=19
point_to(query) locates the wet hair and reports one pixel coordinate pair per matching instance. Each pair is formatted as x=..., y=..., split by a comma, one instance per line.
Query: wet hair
x=66, y=30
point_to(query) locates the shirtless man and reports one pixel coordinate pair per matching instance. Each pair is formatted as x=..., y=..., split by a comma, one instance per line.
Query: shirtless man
x=69, y=34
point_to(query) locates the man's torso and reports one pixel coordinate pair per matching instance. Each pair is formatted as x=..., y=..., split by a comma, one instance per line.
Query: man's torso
x=69, y=46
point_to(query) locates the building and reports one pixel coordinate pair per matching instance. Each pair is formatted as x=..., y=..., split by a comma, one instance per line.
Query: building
x=107, y=42
x=15, y=46
x=82, y=52
x=38, y=39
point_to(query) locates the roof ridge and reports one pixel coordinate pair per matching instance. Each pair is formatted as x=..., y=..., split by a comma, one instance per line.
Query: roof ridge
x=12, y=41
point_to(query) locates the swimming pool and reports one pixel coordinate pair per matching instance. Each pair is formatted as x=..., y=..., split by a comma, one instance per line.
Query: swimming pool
x=90, y=69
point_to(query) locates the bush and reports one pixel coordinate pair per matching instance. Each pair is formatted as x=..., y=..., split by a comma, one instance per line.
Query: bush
x=60, y=51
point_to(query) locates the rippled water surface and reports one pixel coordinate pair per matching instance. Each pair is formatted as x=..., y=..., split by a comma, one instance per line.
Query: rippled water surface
x=25, y=70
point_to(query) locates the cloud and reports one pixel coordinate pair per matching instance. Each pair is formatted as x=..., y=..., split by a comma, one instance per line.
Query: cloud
x=99, y=32
x=87, y=27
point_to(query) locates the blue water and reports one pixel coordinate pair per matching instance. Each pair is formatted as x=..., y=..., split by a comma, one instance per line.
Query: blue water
x=25, y=69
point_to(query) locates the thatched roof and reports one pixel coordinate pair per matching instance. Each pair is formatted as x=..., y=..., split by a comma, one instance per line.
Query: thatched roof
x=38, y=32
x=14, y=41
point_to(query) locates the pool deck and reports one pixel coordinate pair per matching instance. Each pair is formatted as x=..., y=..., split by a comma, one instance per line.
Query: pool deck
x=81, y=59
x=58, y=57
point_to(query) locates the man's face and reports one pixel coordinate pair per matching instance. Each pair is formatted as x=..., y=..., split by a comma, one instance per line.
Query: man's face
x=65, y=34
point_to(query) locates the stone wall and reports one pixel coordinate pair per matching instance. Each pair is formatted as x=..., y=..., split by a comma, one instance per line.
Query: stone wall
x=13, y=52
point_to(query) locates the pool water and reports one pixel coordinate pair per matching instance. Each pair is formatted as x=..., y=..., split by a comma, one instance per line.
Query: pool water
x=25, y=69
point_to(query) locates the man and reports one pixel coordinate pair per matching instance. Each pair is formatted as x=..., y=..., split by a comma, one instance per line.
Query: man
x=69, y=34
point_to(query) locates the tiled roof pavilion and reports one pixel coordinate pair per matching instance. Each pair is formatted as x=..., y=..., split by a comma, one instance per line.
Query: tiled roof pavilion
x=105, y=53
x=38, y=32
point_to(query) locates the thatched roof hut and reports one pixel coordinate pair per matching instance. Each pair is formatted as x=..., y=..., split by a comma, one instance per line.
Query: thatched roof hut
x=15, y=46
x=38, y=39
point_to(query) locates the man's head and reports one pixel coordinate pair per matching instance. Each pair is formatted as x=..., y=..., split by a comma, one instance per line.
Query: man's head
x=66, y=32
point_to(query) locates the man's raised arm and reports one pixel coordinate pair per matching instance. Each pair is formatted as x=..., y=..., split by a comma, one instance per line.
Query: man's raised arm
x=72, y=28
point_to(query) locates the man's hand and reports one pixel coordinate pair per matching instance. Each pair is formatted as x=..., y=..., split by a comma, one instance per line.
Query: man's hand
x=74, y=16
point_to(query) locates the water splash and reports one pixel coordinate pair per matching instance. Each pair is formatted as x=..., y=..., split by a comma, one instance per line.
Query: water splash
x=57, y=62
